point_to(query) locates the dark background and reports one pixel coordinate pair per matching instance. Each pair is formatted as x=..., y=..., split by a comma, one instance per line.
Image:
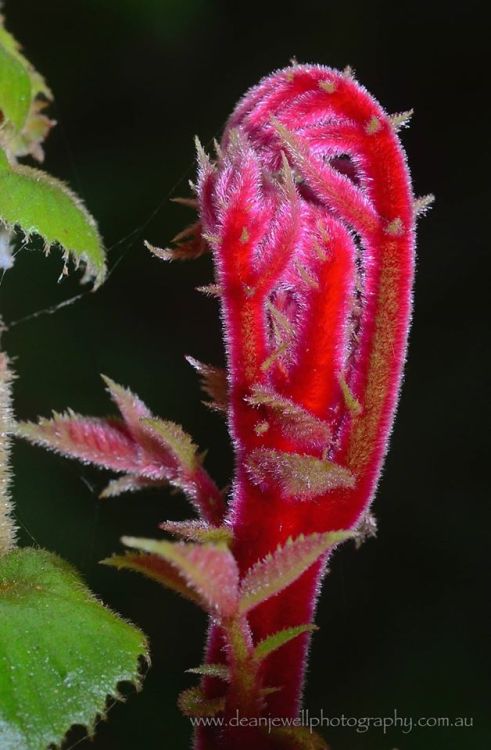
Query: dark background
x=403, y=622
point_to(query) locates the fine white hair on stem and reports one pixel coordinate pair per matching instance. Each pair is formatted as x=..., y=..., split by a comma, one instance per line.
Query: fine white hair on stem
x=8, y=530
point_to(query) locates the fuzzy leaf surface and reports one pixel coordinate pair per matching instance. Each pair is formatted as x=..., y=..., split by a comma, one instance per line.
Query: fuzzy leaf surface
x=175, y=440
x=130, y=406
x=104, y=442
x=277, y=571
x=130, y=483
x=157, y=569
x=274, y=641
x=294, y=421
x=210, y=570
x=299, y=475
x=193, y=702
x=62, y=653
x=212, y=670
x=40, y=204
x=198, y=531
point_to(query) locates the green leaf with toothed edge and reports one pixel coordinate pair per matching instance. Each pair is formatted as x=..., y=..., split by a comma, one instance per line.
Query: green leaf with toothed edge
x=41, y=205
x=62, y=653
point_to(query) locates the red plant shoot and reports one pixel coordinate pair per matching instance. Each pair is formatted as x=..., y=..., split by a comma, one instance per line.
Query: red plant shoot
x=309, y=213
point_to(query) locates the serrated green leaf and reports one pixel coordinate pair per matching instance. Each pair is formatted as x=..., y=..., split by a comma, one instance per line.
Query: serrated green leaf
x=274, y=641
x=208, y=569
x=39, y=204
x=281, y=568
x=62, y=653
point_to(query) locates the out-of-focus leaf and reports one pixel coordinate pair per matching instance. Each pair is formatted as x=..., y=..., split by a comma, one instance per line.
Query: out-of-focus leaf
x=212, y=670
x=62, y=653
x=23, y=96
x=193, y=702
x=15, y=90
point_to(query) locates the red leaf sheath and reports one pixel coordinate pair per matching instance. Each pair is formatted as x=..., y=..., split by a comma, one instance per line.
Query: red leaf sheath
x=309, y=211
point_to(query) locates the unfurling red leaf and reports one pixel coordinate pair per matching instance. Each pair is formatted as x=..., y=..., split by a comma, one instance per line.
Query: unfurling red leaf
x=278, y=570
x=62, y=653
x=198, y=531
x=41, y=205
x=208, y=569
x=274, y=641
x=298, y=475
x=212, y=670
x=193, y=702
